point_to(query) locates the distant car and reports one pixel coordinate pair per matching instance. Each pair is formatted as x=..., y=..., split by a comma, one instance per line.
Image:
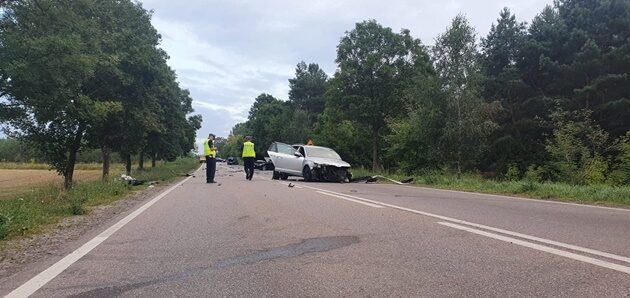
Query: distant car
x=232, y=161
x=313, y=163
x=264, y=165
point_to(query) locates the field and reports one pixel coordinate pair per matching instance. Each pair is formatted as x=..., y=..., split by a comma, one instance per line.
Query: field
x=16, y=182
x=33, y=198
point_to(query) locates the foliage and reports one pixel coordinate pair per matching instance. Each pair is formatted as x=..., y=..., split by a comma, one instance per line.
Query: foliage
x=374, y=64
x=467, y=124
x=576, y=148
x=89, y=75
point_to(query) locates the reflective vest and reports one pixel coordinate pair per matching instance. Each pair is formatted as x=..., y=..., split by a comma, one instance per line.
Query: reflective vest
x=207, y=150
x=248, y=149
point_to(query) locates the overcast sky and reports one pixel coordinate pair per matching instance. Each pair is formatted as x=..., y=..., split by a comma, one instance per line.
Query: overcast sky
x=228, y=52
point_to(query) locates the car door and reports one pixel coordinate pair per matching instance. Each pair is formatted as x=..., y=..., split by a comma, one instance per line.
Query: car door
x=295, y=162
x=282, y=156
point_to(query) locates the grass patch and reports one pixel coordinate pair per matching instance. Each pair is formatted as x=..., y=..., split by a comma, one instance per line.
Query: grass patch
x=594, y=194
x=27, y=213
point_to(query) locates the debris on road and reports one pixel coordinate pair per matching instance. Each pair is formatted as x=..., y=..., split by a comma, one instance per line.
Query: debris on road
x=291, y=185
x=372, y=179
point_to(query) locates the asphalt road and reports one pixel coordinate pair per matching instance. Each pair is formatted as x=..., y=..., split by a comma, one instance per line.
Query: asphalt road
x=263, y=238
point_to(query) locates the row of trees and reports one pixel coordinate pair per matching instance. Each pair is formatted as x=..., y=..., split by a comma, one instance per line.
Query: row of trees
x=549, y=100
x=80, y=74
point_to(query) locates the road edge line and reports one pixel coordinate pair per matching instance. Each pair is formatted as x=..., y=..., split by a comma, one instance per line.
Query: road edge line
x=41, y=279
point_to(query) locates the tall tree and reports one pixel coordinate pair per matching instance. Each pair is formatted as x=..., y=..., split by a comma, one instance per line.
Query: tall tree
x=456, y=63
x=374, y=64
x=50, y=52
x=307, y=89
x=520, y=135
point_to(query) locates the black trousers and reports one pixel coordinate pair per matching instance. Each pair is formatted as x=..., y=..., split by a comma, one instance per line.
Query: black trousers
x=211, y=166
x=249, y=167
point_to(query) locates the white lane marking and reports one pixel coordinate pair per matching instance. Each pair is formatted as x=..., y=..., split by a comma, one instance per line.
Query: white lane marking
x=515, y=198
x=547, y=249
x=351, y=200
x=507, y=232
x=47, y=275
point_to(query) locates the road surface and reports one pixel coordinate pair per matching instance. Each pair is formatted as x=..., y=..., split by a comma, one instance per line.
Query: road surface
x=263, y=238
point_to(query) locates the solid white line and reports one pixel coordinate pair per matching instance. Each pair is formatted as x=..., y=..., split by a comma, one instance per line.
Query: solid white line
x=507, y=232
x=514, y=198
x=550, y=250
x=47, y=275
x=349, y=199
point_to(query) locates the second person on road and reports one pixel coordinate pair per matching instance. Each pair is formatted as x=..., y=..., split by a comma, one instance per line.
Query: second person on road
x=249, y=155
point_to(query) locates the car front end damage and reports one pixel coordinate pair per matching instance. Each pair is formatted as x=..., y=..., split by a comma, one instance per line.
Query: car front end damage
x=331, y=173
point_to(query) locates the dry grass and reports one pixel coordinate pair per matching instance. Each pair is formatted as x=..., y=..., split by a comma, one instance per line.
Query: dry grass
x=18, y=182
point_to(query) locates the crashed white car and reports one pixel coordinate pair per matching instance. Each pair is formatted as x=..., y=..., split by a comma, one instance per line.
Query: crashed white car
x=313, y=163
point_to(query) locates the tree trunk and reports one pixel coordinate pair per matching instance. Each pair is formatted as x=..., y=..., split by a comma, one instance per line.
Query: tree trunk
x=141, y=161
x=375, y=148
x=72, y=158
x=153, y=160
x=107, y=159
x=128, y=163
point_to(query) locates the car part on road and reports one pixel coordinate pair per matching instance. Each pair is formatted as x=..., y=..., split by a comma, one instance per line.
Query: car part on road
x=372, y=179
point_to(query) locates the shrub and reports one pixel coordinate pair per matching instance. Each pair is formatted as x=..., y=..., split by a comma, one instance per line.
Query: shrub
x=512, y=173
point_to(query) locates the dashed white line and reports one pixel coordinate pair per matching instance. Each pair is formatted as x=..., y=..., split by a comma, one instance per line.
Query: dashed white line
x=546, y=249
x=502, y=231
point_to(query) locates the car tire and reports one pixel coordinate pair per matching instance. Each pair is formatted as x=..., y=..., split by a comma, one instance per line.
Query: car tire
x=284, y=176
x=307, y=174
x=275, y=175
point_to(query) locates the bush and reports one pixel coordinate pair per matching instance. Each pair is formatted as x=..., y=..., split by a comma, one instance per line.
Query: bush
x=512, y=173
x=5, y=221
x=534, y=173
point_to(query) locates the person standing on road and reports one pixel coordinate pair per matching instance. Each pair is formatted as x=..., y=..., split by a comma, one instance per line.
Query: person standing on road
x=249, y=155
x=211, y=163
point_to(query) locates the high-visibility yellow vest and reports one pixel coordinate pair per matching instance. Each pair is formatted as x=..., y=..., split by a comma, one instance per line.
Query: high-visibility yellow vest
x=248, y=149
x=207, y=150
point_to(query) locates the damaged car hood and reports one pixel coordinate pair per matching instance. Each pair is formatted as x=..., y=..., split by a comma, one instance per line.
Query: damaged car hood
x=329, y=162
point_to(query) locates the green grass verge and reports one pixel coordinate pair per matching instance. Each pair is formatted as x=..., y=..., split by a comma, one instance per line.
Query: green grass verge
x=29, y=213
x=593, y=194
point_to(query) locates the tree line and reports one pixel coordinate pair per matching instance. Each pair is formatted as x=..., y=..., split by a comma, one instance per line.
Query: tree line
x=82, y=74
x=548, y=100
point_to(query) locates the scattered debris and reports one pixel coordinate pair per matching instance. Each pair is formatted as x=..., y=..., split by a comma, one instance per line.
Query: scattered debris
x=131, y=181
x=291, y=185
x=372, y=179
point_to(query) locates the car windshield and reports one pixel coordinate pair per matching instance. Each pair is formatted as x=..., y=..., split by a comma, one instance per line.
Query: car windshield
x=321, y=152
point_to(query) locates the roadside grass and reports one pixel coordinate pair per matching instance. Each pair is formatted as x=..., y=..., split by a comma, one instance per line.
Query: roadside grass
x=592, y=194
x=29, y=213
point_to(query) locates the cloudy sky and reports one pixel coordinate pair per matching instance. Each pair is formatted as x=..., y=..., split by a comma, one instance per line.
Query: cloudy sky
x=228, y=52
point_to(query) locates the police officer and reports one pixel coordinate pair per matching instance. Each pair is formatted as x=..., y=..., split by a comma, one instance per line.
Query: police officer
x=249, y=155
x=211, y=163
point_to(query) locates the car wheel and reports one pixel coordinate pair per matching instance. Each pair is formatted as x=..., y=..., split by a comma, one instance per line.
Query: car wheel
x=275, y=175
x=307, y=174
x=284, y=176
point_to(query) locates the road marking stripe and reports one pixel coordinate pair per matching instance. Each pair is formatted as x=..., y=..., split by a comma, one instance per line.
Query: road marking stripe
x=550, y=250
x=351, y=200
x=47, y=275
x=507, y=232
x=515, y=198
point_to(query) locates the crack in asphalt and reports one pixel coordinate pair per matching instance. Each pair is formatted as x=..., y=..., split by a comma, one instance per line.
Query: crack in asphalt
x=306, y=246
